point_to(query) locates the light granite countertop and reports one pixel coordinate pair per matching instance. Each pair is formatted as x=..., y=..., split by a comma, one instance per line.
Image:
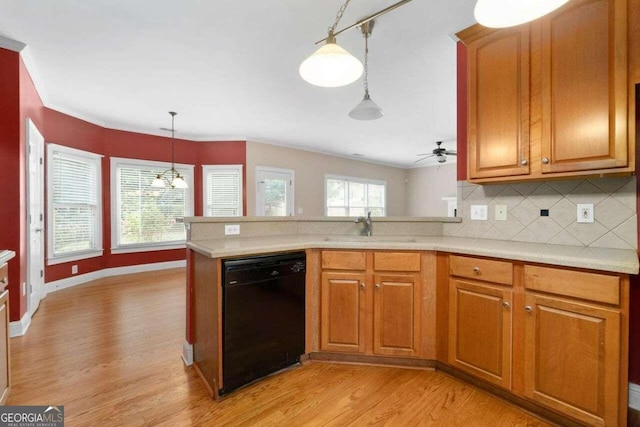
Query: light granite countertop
x=6, y=255
x=611, y=260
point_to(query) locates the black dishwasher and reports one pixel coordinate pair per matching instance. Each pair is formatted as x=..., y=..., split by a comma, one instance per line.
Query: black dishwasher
x=263, y=308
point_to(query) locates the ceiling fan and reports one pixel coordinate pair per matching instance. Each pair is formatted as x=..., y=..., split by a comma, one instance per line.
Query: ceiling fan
x=440, y=153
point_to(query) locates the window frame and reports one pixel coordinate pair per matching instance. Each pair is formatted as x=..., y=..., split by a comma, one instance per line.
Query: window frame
x=187, y=172
x=90, y=158
x=355, y=180
x=206, y=169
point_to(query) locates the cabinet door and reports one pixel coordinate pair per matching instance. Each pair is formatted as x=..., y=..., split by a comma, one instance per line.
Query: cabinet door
x=5, y=380
x=396, y=314
x=498, y=91
x=572, y=358
x=584, y=87
x=343, y=312
x=480, y=330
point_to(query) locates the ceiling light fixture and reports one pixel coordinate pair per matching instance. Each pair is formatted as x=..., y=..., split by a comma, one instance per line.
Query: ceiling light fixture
x=366, y=109
x=176, y=181
x=331, y=65
x=509, y=13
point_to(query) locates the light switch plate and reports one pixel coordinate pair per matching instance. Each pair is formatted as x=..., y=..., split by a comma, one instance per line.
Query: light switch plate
x=479, y=212
x=231, y=229
x=585, y=213
x=501, y=213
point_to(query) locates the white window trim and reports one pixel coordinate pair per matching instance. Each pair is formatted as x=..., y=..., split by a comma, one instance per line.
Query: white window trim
x=91, y=157
x=354, y=179
x=292, y=172
x=209, y=168
x=115, y=223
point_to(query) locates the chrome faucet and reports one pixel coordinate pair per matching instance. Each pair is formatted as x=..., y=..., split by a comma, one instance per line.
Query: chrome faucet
x=367, y=224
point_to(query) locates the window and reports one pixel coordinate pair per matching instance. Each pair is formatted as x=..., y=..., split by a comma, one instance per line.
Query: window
x=145, y=217
x=74, y=193
x=274, y=195
x=222, y=190
x=347, y=196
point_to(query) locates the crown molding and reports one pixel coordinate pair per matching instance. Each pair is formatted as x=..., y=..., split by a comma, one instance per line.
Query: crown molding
x=11, y=44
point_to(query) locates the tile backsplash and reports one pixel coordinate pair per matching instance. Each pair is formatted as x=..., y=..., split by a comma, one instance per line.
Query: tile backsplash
x=614, y=201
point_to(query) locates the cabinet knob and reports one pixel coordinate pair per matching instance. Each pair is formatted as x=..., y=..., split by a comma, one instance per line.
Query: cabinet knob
x=527, y=308
x=377, y=285
x=505, y=304
x=476, y=270
x=545, y=160
x=524, y=162
x=362, y=285
x=3, y=280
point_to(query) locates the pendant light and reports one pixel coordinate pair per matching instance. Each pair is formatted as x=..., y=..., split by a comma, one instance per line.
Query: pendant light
x=509, y=13
x=331, y=65
x=176, y=180
x=366, y=109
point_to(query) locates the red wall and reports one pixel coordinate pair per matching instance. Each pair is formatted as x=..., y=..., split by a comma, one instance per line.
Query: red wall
x=19, y=100
x=462, y=111
x=66, y=130
x=12, y=208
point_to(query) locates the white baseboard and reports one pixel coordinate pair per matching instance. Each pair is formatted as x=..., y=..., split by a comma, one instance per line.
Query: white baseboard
x=187, y=353
x=634, y=396
x=18, y=328
x=108, y=272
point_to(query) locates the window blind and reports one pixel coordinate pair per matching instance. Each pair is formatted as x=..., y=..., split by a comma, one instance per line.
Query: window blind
x=223, y=190
x=74, y=202
x=149, y=215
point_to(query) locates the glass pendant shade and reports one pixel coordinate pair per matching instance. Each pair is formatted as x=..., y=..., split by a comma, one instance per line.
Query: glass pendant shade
x=366, y=109
x=331, y=66
x=509, y=13
x=158, y=182
x=178, y=182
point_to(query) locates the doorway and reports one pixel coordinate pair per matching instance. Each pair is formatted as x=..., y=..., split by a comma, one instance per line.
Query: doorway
x=274, y=191
x=35, y=217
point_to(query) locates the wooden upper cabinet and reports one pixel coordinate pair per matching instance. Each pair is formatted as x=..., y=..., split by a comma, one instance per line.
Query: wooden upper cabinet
x=550, y=98
x=584, y=87
x=498, y=97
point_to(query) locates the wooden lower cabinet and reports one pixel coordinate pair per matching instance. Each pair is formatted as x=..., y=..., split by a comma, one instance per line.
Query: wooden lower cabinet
x=480, y=330
x=368, y=311
x=572, y=358
x=343, y=312
x=396, y=315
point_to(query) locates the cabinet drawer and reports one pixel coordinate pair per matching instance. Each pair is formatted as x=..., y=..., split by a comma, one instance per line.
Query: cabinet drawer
x=343, y=260
x=481, y=269
x=579, y=284
x=396, y=261
x=4, y=276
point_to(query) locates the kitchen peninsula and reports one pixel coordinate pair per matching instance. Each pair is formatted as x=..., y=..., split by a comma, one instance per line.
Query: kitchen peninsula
x=496, y=313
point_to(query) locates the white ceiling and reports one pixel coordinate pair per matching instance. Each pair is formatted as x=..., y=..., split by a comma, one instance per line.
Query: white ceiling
x=230, y=69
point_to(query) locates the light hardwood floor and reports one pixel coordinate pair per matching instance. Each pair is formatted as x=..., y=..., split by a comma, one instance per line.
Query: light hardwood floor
x=109, y=351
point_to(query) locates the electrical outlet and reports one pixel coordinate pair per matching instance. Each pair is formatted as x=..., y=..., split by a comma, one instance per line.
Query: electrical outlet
x=231, y=229
x=479, y=212
x=501, y=213
x=585, y=213
x=74, y=269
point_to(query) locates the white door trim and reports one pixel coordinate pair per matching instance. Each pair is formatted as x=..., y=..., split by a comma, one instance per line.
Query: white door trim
x=290, y=189
x=35, y=220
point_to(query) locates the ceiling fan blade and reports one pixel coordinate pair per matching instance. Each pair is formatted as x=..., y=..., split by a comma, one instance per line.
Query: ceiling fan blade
x=451, y=153
x=425, y=157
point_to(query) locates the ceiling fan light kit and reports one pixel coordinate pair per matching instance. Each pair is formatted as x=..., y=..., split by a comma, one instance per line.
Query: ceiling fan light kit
x=509, y=13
